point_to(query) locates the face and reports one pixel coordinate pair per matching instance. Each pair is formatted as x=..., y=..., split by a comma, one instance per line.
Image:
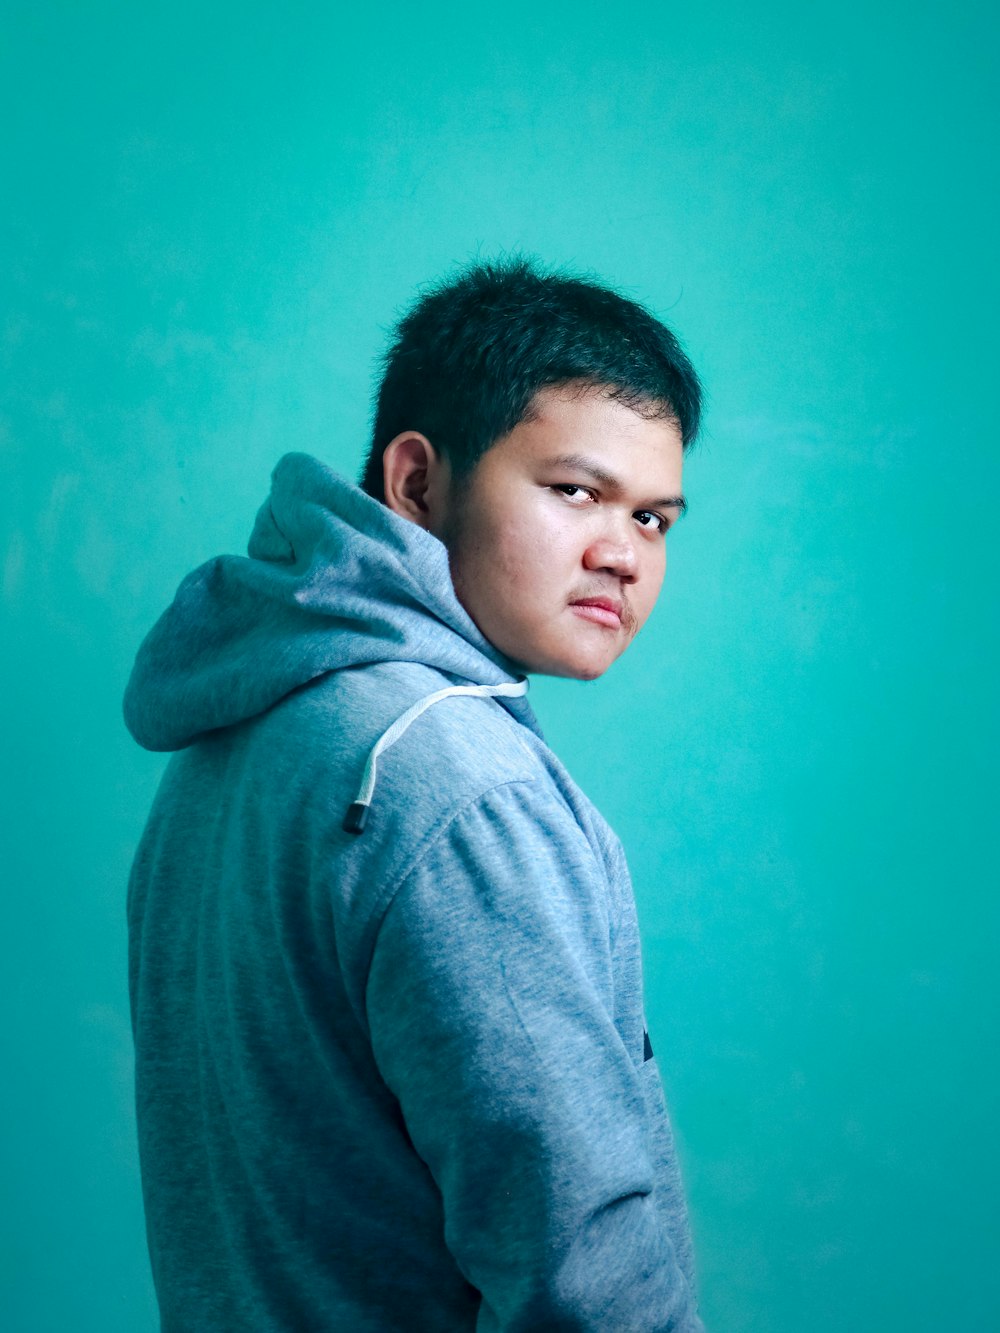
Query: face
x=557, y=540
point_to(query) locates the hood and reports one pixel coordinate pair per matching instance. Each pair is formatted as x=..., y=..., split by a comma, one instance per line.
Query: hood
x=332, y=579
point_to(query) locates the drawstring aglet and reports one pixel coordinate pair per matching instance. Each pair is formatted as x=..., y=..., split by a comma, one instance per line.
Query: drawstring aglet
x=356, y=818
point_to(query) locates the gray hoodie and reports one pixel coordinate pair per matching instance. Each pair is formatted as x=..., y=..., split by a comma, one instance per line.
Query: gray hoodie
x=395, y=1079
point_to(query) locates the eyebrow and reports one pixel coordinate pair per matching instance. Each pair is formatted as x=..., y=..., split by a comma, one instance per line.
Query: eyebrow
x=581, y=463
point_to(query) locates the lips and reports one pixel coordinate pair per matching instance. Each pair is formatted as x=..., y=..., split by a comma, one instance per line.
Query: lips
x=599, y=610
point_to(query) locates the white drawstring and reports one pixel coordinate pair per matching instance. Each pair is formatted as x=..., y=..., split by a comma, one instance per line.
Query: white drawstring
x=357, y=814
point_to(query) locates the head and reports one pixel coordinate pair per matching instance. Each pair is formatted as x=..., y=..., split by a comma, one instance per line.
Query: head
x=536, y=423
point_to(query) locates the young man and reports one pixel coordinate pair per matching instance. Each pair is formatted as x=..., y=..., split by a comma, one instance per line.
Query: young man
x=391, y=1060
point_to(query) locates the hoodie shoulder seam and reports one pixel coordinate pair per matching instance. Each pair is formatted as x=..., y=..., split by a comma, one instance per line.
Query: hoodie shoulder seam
x=431, y=839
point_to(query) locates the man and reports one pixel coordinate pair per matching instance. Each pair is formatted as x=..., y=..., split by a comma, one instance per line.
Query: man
x=391, y=1060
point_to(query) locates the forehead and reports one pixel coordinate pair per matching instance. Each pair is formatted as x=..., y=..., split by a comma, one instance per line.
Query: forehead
x=642, y=451
x=578, y=398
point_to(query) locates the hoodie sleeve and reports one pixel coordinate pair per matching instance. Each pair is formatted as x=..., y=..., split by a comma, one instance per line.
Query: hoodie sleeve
x=490, y=1001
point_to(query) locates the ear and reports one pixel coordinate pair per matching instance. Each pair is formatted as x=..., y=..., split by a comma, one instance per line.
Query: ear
x=415, y=477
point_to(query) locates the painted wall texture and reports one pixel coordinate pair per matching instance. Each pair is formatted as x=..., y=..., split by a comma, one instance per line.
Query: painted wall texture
x=212, y=216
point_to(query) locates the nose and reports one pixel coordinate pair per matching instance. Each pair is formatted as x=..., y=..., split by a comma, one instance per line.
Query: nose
x=613, y=552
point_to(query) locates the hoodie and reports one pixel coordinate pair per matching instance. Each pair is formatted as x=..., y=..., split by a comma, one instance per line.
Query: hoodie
x=392, y=1068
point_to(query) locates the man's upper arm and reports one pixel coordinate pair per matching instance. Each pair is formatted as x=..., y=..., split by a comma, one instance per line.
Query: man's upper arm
x=490, y=1002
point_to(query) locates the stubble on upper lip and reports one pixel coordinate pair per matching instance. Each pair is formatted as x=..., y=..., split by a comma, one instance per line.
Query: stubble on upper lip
x=619, y=606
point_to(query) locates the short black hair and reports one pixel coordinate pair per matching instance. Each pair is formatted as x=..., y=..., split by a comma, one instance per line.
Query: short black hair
x=468, y=358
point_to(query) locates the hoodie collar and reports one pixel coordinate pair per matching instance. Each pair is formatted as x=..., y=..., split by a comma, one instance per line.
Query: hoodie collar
x=332, y=579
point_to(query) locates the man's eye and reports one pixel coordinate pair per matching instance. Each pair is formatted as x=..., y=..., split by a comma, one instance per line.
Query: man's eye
x=572, y=491
x=646, y=518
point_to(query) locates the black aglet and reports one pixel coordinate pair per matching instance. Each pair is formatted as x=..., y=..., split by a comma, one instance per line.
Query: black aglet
x=356, y=818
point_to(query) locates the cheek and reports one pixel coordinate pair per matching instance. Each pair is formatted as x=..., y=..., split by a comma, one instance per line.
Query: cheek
x=526, y=553
x=492, y=565
x=648, y=589
x=526, y=559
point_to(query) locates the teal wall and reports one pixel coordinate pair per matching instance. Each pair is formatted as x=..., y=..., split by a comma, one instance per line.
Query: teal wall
x=212, y=215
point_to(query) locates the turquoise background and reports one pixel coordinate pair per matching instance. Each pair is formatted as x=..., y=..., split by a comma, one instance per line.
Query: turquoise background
x=211, y=219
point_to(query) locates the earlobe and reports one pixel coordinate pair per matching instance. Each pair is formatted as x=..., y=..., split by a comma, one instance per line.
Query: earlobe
x=409, y=467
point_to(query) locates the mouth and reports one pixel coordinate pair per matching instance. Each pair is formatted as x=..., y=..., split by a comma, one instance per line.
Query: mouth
x=600, y=611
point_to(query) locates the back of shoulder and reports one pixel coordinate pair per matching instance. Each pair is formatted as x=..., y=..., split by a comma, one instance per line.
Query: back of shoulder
x=455, y=751
x=464, y=785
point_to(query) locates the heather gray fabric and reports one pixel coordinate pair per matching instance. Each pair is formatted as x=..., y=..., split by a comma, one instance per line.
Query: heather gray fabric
x=396, y=1080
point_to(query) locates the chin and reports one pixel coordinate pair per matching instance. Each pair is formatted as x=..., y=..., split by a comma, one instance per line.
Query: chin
x=590, y=672
x=573, y=668
x=568, y=661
